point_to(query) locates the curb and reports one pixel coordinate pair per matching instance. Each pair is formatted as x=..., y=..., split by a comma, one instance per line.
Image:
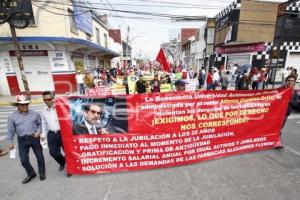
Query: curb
x=34, y=101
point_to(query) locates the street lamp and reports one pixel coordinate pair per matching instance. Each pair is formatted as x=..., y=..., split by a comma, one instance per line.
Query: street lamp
x=131, y=47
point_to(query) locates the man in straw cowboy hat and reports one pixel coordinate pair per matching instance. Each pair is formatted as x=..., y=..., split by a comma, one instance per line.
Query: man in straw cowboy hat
x=26, y=124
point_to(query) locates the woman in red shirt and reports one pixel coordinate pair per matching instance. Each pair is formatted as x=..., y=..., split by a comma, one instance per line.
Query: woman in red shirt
x=209, y=80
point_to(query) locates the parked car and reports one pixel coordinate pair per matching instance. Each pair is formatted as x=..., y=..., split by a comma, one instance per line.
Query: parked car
x=296, y=99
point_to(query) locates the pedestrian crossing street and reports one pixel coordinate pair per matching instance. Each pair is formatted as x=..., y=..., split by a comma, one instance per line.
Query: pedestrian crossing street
x=6, y=111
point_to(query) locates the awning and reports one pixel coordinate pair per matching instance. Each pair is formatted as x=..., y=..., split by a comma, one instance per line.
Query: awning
x=63, y=39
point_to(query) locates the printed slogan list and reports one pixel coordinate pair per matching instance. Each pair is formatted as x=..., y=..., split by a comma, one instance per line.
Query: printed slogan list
x=172, y=129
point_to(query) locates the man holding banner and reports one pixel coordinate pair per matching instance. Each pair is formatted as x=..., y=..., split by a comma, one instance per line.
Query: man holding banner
x=290, y=82
x=51, y=129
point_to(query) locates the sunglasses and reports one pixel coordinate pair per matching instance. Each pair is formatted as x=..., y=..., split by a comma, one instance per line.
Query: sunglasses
x=95, y=112
x=23, y=104
x=48, y=99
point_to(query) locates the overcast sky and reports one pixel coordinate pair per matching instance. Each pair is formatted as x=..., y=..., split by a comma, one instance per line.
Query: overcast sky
x=148, y=34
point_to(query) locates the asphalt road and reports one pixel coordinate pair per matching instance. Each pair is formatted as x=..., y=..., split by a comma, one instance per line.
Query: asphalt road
x=265, y=175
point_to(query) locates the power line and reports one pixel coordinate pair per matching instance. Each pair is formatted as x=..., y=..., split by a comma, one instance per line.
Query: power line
x=137, y=18
x=77, y=4
x=174, y=3
x=60, y=9
x=166, y=6
x=153, y=14
x=121, y=20
x=151, y=3
x=60, y=13
x=135, y=12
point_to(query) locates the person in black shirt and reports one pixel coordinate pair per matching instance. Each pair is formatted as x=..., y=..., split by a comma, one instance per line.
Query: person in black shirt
x=141, y=85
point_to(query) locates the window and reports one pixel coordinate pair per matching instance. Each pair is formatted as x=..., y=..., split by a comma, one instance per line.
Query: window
x=73, y=27
x=98, y=35
x=88, y=36
x=105, y=40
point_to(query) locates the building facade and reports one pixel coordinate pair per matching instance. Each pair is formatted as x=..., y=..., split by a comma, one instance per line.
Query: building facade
x=286, y=49
x=187, y=38
x=209, y=37
x=53, y=48
x=244, y=33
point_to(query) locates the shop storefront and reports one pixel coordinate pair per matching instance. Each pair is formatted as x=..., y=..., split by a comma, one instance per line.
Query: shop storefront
x=49, y=63
x=239, y=54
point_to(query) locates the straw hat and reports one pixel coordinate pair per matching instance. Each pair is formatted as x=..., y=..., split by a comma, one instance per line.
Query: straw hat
x=20, y=99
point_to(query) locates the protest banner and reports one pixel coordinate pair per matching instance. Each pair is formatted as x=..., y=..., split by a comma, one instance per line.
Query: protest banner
x=99, y=91
x=165, y=87
x=159, y=130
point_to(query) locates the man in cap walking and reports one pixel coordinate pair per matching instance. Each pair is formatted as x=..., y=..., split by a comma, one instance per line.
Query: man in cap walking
x=26, y=124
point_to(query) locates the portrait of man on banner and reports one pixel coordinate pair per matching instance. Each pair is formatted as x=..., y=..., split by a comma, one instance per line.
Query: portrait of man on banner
x=98, y=116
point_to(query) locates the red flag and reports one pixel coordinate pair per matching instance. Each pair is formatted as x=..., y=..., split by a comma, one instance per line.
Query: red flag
x=161, y=58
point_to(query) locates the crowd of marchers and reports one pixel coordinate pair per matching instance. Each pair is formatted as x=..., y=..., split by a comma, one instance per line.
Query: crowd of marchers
x=238, y=77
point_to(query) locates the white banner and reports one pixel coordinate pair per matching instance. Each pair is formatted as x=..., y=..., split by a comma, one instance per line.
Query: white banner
x=192, y=85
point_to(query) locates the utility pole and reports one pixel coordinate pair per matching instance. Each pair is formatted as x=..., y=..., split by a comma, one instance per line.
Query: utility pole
x=127, y=47
x=20, y=60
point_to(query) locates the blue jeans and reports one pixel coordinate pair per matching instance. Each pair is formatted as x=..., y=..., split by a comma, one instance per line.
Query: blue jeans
x=24, y=145
x=81, y=89
x=210, y=86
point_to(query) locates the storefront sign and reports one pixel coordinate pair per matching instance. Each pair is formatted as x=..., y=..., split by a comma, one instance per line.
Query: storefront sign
x=160, y=130
x=77, y=55
x=29, y=47
x=30, y=53
x=246, y=48
x=229, y=18
x=6, y=62
x=58, y=61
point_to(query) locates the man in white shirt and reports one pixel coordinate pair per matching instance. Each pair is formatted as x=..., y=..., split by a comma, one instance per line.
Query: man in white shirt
x=216, y=79
x=51, y=129
x=80, y=83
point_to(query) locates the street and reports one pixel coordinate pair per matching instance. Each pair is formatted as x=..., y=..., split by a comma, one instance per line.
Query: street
x=150, y=99
x=271, y=174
